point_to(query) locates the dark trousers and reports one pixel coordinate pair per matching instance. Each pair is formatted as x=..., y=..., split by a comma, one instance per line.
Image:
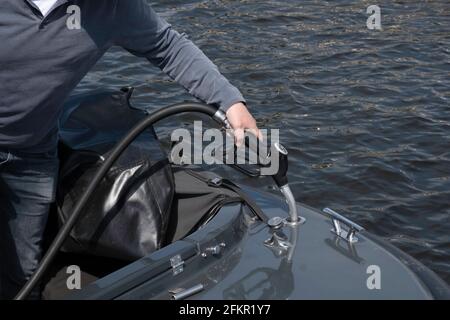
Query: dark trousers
x=27, y=188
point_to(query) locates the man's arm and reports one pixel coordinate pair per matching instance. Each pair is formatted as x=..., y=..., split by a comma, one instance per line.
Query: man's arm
x=141, y=31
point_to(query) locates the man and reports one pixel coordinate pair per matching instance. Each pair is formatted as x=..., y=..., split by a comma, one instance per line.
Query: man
x=42, y=59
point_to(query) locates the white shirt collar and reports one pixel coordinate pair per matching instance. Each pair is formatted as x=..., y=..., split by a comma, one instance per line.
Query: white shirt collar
x=46, y=6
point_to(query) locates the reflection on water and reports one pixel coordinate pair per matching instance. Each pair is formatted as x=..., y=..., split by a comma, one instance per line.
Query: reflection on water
x=364, y=113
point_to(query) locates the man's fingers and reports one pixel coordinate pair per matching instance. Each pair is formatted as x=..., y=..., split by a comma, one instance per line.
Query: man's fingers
x=240, y=134
x=257, y=133
x=239, y=137
x=240, y=119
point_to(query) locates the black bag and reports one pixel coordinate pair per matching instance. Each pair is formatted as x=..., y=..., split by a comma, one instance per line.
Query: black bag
x=127, y=216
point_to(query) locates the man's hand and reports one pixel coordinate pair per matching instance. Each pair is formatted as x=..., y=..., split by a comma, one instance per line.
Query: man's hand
x=240, y=120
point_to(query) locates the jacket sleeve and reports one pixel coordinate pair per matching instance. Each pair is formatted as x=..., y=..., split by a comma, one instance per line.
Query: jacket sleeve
x=141, y=31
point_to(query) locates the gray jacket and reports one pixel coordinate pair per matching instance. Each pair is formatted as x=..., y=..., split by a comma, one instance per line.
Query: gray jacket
x=42, y=61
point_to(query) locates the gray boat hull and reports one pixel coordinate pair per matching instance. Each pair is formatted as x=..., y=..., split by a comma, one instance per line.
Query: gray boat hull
x=236, y=256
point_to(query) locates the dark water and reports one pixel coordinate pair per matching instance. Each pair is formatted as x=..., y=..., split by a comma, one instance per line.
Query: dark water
x=365, y=114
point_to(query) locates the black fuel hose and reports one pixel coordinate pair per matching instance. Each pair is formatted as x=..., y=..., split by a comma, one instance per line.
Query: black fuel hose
x=100, y=174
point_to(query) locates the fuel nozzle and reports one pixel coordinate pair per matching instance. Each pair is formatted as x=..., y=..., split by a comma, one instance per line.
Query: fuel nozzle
x=280, y=176
x=281, y=180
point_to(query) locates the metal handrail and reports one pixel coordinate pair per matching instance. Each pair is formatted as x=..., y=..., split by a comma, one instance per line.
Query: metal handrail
x=337, y=219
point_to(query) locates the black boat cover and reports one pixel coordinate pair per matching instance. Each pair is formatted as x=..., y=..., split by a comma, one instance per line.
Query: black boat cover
x=128, y=215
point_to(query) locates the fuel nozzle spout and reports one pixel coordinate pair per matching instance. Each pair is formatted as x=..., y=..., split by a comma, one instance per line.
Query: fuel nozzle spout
x=281, y=180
